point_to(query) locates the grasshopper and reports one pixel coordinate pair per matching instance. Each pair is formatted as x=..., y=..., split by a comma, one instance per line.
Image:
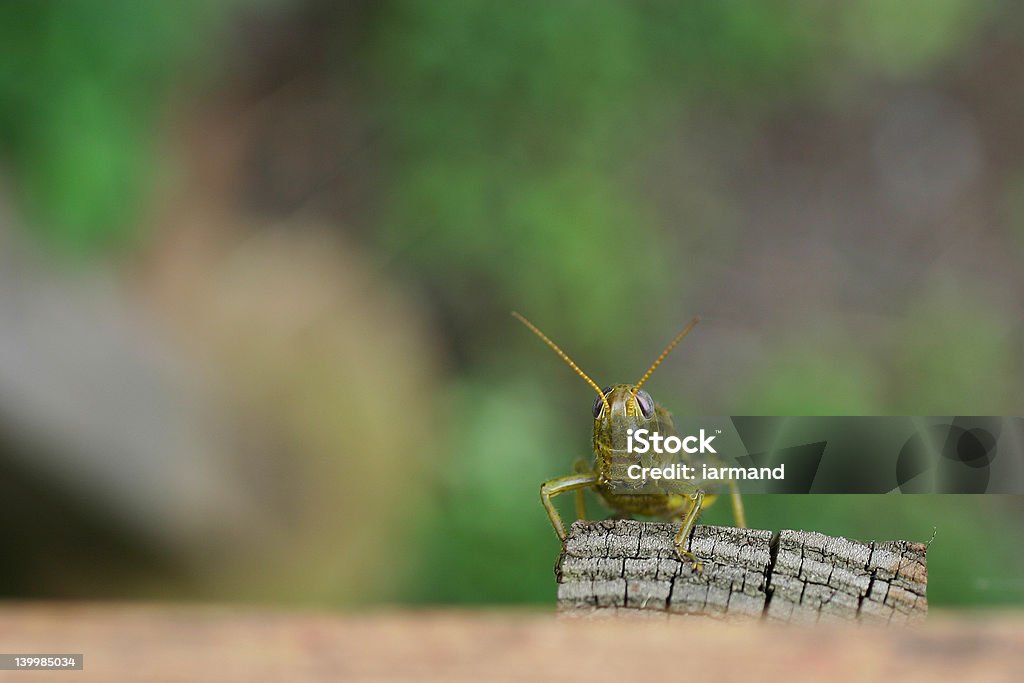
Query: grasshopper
x=618, y=409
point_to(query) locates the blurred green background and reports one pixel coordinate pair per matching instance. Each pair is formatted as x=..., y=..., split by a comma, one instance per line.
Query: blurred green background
x=257, y=261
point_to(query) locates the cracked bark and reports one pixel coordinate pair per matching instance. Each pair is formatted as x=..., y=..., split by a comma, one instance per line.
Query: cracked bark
x=789, y=576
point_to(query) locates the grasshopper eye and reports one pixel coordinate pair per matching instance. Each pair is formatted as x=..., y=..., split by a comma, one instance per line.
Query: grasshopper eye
x=599, y=401
x=646, y=403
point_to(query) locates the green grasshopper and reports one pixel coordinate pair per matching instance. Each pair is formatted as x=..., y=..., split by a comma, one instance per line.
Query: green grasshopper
x=617, y=410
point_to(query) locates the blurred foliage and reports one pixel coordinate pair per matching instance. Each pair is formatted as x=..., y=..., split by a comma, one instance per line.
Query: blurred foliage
x=84, y=88
x=952, y=341
x=795, y=384
x=1013, y=208
x=905, y=39
x=515, y=125
x=497, y=466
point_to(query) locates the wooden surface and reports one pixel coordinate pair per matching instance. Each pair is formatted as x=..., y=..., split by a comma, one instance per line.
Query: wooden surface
x=229, y=644
x=617, y=566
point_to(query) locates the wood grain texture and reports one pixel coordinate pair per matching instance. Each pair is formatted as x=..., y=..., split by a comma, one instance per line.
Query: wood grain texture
x=750, y=574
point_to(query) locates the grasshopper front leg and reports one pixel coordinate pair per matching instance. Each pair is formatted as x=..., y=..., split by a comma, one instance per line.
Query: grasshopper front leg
x=551, y=488
x=687, y=522
x=581, y=466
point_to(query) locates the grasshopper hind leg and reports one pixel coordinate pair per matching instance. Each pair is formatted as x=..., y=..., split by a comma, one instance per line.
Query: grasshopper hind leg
x=737, y=506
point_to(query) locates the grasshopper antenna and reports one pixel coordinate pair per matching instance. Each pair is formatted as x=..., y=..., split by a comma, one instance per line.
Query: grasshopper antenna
x=564, y=356
x=668, y=349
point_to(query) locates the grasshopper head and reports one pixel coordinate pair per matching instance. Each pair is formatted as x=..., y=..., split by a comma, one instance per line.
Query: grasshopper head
x=622, y=407
x=623, y=401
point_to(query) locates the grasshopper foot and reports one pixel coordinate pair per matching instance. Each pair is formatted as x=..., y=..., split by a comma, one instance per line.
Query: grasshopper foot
x=686, y=557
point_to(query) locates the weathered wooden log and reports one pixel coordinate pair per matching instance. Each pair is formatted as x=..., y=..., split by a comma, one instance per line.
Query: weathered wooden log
x=789, y=576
